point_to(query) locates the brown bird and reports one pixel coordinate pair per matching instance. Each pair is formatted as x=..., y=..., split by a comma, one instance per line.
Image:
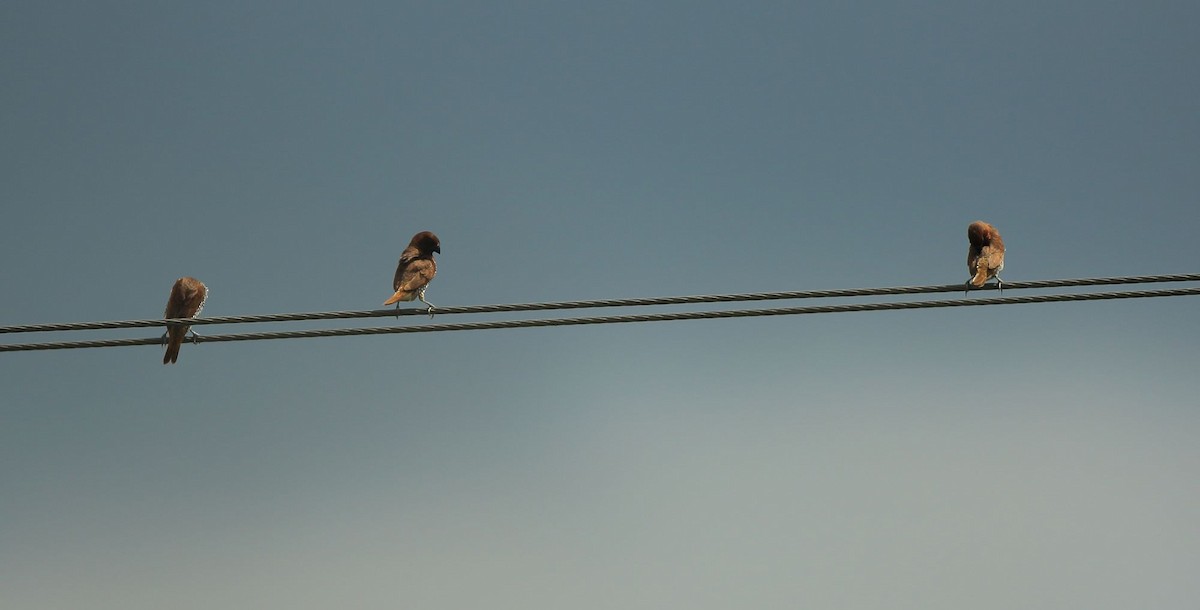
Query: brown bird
x=985, y=257
x=187, y=299
x=416, y=269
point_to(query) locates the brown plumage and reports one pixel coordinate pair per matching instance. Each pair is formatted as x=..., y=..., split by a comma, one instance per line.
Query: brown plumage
x=416, y=269
x=187, y=299
x=985, y=257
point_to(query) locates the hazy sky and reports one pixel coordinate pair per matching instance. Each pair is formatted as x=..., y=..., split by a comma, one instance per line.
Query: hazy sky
x=1033, y=456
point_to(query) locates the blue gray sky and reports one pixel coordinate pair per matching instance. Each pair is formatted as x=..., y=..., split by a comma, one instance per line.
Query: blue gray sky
x=1035, y=456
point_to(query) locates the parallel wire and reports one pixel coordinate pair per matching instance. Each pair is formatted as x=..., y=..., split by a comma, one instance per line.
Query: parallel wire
x=598, y=303
x=654, y=317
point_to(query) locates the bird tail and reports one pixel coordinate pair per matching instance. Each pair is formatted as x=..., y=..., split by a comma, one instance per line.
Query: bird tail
x=400, y=295
x=174, y=340
x=981, y=275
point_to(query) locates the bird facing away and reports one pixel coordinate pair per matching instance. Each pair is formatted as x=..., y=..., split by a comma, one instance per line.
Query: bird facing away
x=187, y=299
x=416, y=269
x=985, y=258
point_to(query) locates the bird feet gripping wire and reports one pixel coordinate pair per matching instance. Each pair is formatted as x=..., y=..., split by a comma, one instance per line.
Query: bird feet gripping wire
x=421, y=296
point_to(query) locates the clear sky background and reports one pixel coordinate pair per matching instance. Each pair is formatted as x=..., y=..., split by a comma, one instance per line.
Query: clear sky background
x=1034, y=456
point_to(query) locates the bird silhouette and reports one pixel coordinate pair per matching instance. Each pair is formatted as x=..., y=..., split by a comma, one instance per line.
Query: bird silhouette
x=416, y=269
x=985, y=257
x=186, y=300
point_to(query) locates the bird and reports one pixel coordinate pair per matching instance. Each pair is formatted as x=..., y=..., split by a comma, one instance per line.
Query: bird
x=416, y=269
x=187, y=299
x=985, y=257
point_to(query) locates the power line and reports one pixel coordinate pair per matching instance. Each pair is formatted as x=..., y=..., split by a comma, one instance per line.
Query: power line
x=653, y=317
x=598, y=303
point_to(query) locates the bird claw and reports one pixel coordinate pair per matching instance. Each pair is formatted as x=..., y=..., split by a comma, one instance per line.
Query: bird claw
x=195, y=337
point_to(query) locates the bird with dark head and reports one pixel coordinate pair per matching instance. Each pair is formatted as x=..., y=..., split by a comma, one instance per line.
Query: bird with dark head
x=985, y=257
x=186, y=300
x=416, y=269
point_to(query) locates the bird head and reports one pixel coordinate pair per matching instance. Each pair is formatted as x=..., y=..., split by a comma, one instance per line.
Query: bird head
x=426, y=242
x=980, y=233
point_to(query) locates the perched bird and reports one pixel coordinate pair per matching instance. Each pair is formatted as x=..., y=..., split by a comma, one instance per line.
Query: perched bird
x=985, y=258
x=416, y=269
x=187, y=299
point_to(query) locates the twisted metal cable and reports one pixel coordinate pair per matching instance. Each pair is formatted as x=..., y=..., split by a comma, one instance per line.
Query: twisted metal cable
x=652, y=317
x=598, y=303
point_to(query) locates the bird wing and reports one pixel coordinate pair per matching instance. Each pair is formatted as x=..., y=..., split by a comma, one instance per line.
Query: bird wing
x=984, y=264
x=415, y=275
x=187, y=299
x=176, y=301
x=992, y=258
x=407, y=257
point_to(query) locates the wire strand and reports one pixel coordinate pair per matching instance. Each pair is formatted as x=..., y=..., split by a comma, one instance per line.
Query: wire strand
x=598, y=303
x=622, y=319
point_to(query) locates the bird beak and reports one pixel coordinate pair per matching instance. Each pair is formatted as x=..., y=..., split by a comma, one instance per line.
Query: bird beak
x=437, y=249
